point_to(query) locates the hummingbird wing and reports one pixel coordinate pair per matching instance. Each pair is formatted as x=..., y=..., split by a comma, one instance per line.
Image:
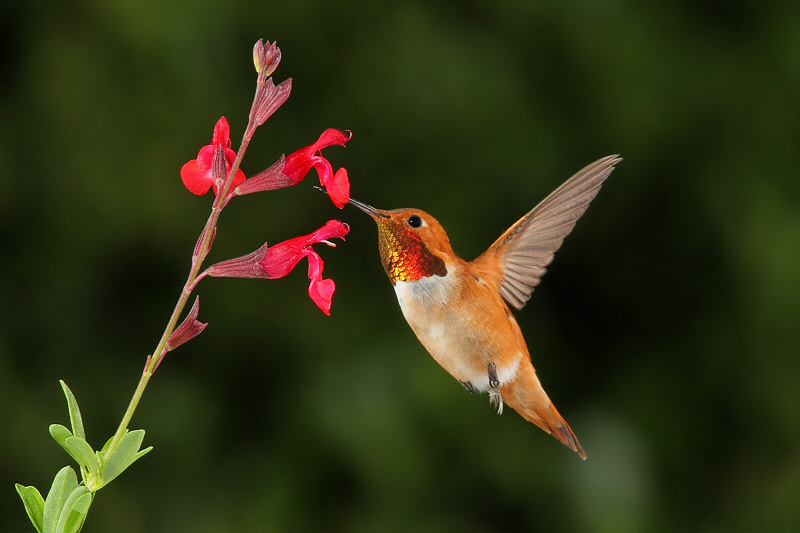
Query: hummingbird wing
x=525, y=250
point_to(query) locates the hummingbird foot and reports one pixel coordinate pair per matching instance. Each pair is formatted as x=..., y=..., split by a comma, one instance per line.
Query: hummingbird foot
x=469, y=386
x=496, y=400
x=494, y=387
x=494, y=381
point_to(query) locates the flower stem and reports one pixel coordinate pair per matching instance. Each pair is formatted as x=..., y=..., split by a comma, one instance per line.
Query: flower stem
x=126, y=418
x=199, y=256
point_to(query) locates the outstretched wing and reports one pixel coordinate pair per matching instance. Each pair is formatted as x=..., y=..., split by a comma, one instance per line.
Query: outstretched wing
x=526, y=248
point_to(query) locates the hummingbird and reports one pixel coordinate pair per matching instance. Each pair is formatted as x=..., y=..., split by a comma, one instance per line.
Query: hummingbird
x=459, y=309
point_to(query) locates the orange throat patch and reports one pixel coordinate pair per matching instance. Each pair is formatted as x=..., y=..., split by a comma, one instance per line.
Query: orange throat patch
x=405, y=257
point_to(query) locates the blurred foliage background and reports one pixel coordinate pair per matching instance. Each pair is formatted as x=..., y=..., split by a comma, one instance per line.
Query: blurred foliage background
x=666, y=331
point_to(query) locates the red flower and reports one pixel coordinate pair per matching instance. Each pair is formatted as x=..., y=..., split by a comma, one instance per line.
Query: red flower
x=277, y=261
x=300, y=163
x=197, y=175
x=290, y=170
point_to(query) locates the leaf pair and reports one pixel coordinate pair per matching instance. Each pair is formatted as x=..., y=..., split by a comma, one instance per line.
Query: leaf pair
x=66, y=506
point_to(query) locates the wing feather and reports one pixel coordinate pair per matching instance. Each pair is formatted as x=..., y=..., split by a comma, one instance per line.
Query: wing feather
x=525, y=250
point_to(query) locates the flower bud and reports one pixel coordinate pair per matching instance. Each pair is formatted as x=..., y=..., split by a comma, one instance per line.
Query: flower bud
x=266, y=58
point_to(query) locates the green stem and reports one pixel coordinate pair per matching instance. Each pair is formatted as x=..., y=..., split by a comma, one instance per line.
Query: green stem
x=126, y=418
x=197, y=263
x=171, y=324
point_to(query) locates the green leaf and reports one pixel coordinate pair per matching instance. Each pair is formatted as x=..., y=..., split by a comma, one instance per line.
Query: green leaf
x=77, y=515
x=60, y=434
x=141, y=454
x=80, y=450
x=63, y=484
x=123, y=455
x=67, y=510
x=74, y=413
x=108, y=443
x=34, y=504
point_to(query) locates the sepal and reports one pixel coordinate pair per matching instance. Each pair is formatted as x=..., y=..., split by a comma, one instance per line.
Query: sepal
x=189, y=329
x=266, y=180
x=246, y=266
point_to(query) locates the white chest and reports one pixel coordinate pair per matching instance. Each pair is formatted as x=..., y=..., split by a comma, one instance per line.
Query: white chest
x=430, y=292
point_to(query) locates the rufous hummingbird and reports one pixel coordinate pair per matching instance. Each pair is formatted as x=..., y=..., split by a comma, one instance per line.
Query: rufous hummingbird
x=456, y=307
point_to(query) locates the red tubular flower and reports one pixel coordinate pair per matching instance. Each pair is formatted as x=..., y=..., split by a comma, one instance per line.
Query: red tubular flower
x=302, y=161
x=197, y=175
x=290, y=170
x=277, y=261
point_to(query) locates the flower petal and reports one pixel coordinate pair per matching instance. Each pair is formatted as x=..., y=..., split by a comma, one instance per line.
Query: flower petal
x=323, y=168
x=195, y=178
x=320, y=290
x=222, y=134
x=205, y=157
x=331, y=229
x=238, y=178
x=300, y=162
x=282, y=258
x=338, y=188
x=332, y=136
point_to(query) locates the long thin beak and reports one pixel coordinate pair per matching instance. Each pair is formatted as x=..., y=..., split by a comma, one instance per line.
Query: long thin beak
x=368, y=209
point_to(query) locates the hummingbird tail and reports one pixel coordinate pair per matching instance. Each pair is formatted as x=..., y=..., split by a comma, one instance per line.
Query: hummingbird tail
x=528, y=398
x=552, y=422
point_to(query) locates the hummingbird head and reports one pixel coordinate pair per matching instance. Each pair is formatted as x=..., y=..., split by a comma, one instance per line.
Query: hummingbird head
x=412, y=243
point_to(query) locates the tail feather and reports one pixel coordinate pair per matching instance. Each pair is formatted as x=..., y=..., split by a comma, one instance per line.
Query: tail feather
x=527, y=397
x=552, y=422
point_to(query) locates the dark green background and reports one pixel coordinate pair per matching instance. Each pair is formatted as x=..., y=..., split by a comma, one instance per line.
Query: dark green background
x=666, y=331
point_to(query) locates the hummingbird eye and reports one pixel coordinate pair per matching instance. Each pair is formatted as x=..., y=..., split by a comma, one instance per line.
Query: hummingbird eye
x=414, y=221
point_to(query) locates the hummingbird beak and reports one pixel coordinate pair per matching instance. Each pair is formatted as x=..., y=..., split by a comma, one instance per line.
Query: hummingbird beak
x=368, y=209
